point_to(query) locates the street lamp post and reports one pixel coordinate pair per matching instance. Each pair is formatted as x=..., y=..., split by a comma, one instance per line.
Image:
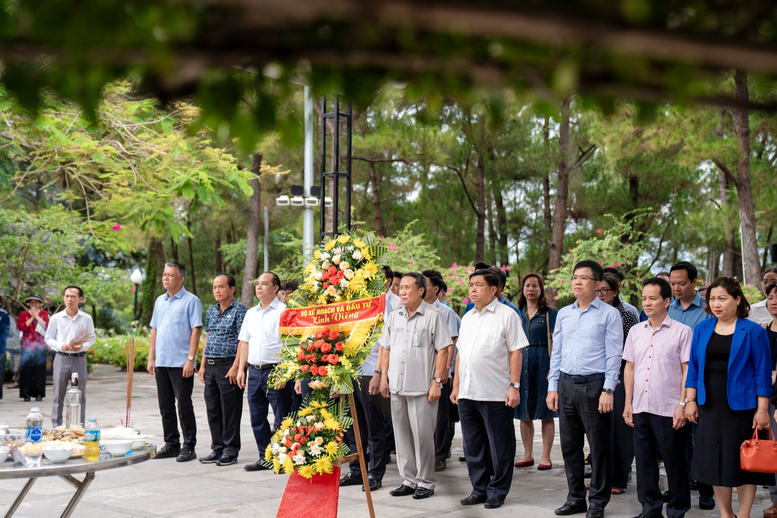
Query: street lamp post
x=136, y=278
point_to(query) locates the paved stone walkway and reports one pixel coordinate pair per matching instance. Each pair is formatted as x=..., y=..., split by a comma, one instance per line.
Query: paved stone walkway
x=164, y=487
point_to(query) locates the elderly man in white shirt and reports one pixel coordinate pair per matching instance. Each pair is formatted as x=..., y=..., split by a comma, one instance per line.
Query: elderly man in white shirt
x=260, y=351
x=70, y=334
x=485, y=386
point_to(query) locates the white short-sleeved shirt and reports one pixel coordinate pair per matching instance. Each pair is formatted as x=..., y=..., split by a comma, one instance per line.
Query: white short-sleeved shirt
x=261, y=329
x=485, y=342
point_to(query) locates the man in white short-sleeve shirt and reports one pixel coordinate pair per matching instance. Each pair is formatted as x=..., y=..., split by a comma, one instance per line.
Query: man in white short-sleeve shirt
x=485, y=386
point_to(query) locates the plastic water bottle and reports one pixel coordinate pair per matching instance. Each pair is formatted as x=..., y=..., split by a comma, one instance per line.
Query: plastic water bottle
x=73, y=404
x=34, y=425
x=92, y=441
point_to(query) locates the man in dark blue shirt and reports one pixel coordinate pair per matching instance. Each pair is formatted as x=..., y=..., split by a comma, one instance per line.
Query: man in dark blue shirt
x=218, y=371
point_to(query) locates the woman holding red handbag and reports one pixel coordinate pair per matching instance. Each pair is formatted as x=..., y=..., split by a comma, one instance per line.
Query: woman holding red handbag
x=729, y=384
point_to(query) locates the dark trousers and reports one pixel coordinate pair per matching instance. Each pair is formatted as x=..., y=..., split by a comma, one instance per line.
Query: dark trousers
x=32, y=373
x=489, y=462
x=621, y=437
x=371, y=431
x=578, y=415
x=224, y=403
x=442, y=433
x=705, y=490
x=651, y=433
x=384, y=406
x=260, y=398
x=172, y=387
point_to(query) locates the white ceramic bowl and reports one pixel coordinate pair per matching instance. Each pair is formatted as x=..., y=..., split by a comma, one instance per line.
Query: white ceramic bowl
x=5, y=451
x=57, y=454
x=117, y=447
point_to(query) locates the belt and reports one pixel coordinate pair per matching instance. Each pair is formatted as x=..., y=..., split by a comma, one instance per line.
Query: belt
x=214, y=361
x=583, y=379
x=263, y=367
x=77, y=355
x=537, y=345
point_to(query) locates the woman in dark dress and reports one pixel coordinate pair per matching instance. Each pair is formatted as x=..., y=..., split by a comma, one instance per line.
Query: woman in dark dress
x=729, y=384
x=538, y=318
x=621, y=435
x=771, y=332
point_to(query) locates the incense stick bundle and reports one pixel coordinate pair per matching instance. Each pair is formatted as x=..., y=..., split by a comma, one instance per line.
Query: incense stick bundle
x=131, y=348
x=81, y=335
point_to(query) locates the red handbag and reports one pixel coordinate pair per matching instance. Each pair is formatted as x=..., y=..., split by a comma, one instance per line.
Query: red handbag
x=759, y=455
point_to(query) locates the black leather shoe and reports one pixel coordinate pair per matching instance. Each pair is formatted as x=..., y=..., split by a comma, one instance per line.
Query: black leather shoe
x=26, y=398
x=351, y=479
x=226, y=460
x=706, y=502
x=256, y=466
x=473, y=499
x=186, y=455
x=493, y=503
x=439, y=465
x=594, y=512
x=402, y=490
x=374, y=484
x=168, y=452
x=38, y=398
x=462, y=458
x=210, y=459
x=572, y=508
x=422, y=492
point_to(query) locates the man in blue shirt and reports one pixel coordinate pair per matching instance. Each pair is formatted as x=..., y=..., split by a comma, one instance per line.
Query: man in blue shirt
x=5, y=326
x=584, y=369
x=688, y=308
x=218, y=371
x=175, y=336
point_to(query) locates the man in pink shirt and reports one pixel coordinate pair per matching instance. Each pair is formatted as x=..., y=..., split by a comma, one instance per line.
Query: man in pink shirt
x=657, y=353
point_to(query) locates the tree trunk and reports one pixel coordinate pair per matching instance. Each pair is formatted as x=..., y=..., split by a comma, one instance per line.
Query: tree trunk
x=727, y=268
x=252, y=241
x=379, y=228
x=547, y=216
x=766, y=250
x=480, y=232
x=219, y=259
x=193, y=284
x=174, y=250
x=503, y=255
x=752, y=268
x=155, y=265
x=491, y=234
x=562, y=191
x=712, y=264
x=634, y=191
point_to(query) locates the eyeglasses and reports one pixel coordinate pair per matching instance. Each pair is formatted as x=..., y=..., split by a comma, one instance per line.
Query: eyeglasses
x=582, y=278
x=603, y=291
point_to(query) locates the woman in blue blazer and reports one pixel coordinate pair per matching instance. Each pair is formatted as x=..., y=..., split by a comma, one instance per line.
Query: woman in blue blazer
x=729, y=384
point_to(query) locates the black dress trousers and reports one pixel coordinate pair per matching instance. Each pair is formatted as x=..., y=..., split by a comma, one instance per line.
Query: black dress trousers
x=442, y=433
x=172, y=387
x=489, y=446
x=652, y=433
x=578, y=412
x=224, y=403
x=371, y=430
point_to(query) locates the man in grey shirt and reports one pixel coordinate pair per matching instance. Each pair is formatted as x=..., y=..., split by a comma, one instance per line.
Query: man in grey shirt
x=414, y=354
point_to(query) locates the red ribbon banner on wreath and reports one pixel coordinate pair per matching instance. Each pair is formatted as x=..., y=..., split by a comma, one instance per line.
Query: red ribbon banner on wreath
x=341, y=317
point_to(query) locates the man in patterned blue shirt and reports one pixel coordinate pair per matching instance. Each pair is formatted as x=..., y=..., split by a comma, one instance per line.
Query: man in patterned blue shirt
x=218, y=371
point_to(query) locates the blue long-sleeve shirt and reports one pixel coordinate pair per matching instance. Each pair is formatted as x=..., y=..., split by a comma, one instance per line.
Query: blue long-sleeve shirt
x=587, y=342
x=5, y=327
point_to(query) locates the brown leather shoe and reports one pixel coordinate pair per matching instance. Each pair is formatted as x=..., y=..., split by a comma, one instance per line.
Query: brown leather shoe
x=770, y=512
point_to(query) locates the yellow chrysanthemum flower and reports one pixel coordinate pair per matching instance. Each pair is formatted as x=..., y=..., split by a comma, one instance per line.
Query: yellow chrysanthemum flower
x=331, y=448
x=358, y=243
x=268, y=452
x=330, y=245
x=324, y=465
x=344, y=238
x=287, y=423
x=326, y=414
x=318, y=404
x=332, y=424
x=305, y=411
x=276, y=466
x=317, y=254
x=288, y=465
x=366, y=253
x=371, y=268
x=306, y=471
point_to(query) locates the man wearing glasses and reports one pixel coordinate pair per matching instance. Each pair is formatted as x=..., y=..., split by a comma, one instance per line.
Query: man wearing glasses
x=584, y=369
x=260, y=351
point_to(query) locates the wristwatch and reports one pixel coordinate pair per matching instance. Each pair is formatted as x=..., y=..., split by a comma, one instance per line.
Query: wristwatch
x=438, y=380
x=689, y=401
x=516, y=385
x=607, y=391
x=683, y=403
x=190, y=358
x=380, y=373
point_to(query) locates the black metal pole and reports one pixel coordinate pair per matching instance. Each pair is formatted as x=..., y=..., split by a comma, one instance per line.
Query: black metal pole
x=336, y=166
x=322, y=201
x=348, y=168
x=135, y=310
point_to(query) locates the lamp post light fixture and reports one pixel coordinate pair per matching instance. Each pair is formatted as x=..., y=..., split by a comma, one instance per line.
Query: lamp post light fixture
x=136, y=278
